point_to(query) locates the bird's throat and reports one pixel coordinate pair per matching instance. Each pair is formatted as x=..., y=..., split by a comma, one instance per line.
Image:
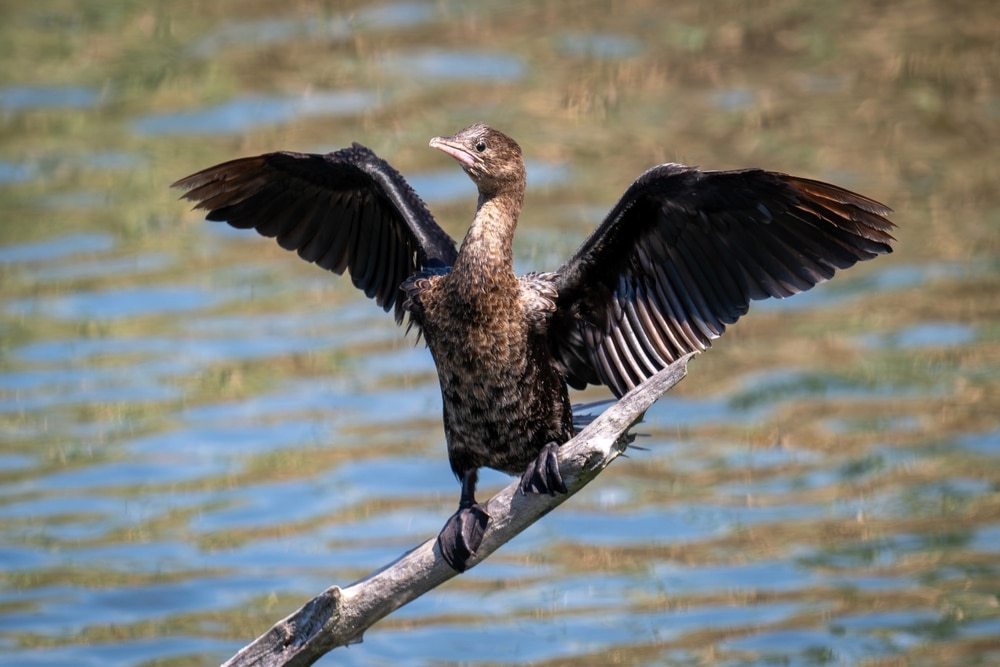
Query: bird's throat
x=486, y=253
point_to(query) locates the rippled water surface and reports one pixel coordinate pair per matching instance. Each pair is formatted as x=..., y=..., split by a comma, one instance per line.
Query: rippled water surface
x=199, y=432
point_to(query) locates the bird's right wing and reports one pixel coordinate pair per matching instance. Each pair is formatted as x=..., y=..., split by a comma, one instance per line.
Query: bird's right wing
x=344, y=210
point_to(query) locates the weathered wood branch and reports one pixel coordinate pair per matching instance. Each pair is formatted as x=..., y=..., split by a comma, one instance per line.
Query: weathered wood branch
x=339, y=616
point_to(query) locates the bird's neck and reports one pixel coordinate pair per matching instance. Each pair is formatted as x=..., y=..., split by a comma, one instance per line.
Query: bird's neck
x=487, y=252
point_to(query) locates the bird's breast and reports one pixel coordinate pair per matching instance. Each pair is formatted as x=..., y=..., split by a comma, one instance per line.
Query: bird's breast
x=472, y=331
x=502, y=398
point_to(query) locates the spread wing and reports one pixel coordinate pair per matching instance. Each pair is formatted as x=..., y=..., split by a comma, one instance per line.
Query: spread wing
x=683, y=253
x=344, y=210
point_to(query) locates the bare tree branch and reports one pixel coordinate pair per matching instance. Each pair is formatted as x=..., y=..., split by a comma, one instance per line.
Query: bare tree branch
x=339, y=616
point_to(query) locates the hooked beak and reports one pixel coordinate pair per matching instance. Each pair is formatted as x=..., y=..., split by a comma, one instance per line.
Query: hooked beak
x=455, y=149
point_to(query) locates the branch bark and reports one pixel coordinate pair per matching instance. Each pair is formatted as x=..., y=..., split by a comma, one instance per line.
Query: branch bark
x=339, y=616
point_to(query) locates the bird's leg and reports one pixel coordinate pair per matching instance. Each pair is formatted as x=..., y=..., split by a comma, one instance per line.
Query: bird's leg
x=542, y=475
x=463, y=533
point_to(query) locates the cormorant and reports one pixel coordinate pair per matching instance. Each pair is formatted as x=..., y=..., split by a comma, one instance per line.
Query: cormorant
x=677, y=259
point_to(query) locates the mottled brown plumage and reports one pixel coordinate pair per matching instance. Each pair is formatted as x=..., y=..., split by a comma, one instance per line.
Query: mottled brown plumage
x=486, y=329
x=678, y=258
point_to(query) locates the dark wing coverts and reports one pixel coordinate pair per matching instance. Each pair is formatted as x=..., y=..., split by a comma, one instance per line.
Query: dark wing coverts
x=345, y=210
x=683, y=253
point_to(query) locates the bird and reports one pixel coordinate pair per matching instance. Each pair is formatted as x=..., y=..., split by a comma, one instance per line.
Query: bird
x=676, y=260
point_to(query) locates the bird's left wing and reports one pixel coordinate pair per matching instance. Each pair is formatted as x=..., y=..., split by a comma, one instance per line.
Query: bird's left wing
x=348, y=210
x=683, y=253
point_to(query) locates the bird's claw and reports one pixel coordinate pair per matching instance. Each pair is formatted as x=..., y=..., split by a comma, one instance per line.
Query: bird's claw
x=462, y=535
x=542, y=475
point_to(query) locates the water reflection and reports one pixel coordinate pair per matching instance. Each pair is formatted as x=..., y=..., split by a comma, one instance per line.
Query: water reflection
x=454, y=65
x=247, y=112
x=117, y=303
x=16, y=98
x=277, y=29
x=600, y=45
x=11, y=172
x=930, y=334
x=55, y=248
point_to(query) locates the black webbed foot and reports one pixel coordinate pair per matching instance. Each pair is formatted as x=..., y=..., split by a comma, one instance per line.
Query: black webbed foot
x=542, y=475
x=462, y=535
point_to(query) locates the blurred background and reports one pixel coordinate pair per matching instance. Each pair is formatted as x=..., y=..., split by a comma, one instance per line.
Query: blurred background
x=199, y=432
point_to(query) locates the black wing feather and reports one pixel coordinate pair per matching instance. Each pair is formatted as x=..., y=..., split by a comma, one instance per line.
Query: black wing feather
x=296, y=235
x=348, y=210
x=682, y=254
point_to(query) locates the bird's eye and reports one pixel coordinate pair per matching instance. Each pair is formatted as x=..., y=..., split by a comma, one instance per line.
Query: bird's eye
x=480, y=146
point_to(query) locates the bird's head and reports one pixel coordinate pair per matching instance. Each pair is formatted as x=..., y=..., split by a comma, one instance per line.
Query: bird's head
x=491, y=159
